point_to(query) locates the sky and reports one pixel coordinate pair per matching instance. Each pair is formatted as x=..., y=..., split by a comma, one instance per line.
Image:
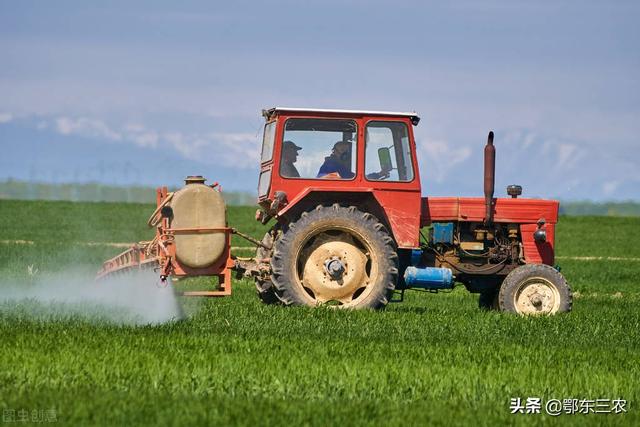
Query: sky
x=148, y=92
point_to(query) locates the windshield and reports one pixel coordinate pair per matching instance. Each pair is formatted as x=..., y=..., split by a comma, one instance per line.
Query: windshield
x=319, y=148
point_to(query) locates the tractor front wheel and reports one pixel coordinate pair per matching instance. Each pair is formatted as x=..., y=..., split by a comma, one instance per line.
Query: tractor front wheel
x=534, y=289
x=335, y=255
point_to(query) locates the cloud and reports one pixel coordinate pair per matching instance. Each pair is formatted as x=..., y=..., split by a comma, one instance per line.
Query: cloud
x=94, y=128
x=546, y=164
x=134, y=127
x=6, y=117
x=86, y=127
x=188, y=147
x=242, y=150
x=568, y=155
x=146, y=139
x=442, y=157
x=141, y=136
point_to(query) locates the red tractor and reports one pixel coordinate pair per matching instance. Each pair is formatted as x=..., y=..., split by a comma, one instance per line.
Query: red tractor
x=352, y=227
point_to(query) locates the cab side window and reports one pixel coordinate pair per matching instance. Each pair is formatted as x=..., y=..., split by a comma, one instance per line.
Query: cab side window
x=387, y=152
x=267, y=141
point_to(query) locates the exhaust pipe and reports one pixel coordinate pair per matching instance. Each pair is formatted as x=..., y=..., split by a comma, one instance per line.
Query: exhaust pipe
x=489, y=178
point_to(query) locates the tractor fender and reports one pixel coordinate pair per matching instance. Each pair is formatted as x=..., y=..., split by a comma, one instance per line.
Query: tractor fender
x=311, y=197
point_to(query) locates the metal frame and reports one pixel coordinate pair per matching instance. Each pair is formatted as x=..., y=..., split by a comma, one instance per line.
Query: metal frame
x=160, y=254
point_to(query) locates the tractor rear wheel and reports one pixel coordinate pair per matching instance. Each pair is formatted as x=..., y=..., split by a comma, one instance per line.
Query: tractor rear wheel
x=535, y=289
x=264, y=286
x=337, y=256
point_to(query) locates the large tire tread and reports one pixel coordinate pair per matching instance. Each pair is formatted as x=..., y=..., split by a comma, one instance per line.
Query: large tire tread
x=290, y=293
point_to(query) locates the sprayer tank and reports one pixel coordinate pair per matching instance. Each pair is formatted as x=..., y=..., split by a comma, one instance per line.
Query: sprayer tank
x=197, y=205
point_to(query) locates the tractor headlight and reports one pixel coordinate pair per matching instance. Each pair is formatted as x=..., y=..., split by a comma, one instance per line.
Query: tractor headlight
x=540, y=236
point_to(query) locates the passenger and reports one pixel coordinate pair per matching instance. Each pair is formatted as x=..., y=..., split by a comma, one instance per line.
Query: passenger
x=338, y=164
x=288, y=158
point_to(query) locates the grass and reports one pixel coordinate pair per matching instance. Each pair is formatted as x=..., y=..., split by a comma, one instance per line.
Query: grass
x=432, y=360
x=598, y=236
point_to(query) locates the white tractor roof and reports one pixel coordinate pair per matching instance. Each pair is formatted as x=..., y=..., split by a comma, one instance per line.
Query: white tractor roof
x=412, y=114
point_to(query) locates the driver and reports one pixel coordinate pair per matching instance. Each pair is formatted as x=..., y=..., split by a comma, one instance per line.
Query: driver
x=338, y=164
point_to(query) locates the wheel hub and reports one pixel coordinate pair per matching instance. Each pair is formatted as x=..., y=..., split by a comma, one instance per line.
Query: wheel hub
x=537, y=296
x=335, y=268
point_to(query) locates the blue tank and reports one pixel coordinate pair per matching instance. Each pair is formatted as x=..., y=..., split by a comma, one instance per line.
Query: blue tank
x=428, y=278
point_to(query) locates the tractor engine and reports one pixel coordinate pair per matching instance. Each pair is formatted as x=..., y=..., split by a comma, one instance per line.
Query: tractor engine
x=466, y=244
x=470, y=250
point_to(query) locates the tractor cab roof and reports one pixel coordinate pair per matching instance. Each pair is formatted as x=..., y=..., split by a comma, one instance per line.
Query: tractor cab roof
x=272, y=112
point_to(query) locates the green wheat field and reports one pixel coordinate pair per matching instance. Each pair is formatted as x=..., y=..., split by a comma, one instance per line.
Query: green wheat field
x=435, y=359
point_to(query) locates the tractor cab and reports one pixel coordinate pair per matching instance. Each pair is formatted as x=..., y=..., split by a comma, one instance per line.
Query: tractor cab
x=368, y=156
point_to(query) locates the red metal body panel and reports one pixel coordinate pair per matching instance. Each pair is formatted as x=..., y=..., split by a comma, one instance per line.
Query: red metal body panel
x=399, y=200
x=401, y=208
x=525, y=212
x=507, y=210
x=538, y=252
